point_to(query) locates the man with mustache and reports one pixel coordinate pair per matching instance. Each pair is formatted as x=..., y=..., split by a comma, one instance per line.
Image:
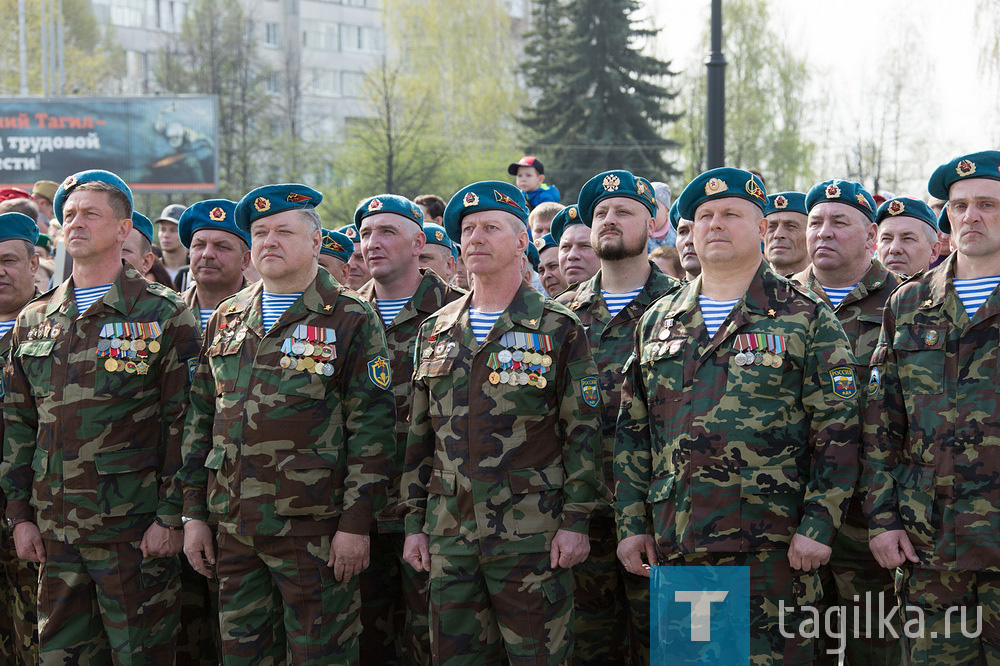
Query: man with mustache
x=335, y=254
x=908, y=235
x=551, y=277
x=785, y=239
x=358, y=274
x=685, y=244
x=840, y=235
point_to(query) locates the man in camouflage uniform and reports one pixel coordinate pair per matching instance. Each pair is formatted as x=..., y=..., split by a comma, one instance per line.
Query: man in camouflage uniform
x=286, y=442
x=785, y=239
x=612, y=605
x=18, y=578
x=500, y=479
x=931, y=459
x=738, y=447
x=840, y=238
x=98, y=380
x=393, y=594
x=685, y=245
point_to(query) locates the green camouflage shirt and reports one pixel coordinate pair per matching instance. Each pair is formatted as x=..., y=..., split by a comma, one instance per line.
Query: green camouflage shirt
x=190, y=297
x=931, y=456
x=612, y=342
x=494, y=468
x=726, y=457
x=283, y=439
x=90, y=451
x=401, y=335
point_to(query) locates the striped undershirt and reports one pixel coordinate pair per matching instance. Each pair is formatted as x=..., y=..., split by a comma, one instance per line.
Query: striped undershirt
x=617, y=302
x=837, y=295
x=390, y=307
x=5, y=326
x=274, y=305
x=206, y=314
x=482, y=322
x=87, y=297
x=975, y=291
x=715, y=312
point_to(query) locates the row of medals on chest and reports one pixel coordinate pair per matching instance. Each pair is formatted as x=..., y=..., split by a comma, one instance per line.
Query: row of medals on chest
x=310, y=349
x=126, y=346
x=523, y=361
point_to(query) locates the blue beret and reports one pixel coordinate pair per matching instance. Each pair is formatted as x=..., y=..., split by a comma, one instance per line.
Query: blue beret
x=485, y=195
x=721, y=183
x=81, y=177
x=786, y=201
x=142, y=224
x=974, y=165
x=18, y=226
x=389, y=203
x=436, y=235
x=943, y=221
x=337, y=245
x=842, y=191
x=617, y=183
x=533, y=257
x=545, y=242
x=351, y=232
x=273, y=199
x=906, y=207
x=567, y=216
x=675, y=215
x=218, y=214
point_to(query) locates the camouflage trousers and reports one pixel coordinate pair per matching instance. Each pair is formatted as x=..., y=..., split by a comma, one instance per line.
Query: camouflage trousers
x=103, y=604
x=772, y=581
x=199, y=642
x=18, y=612
x=279, y=603
x=486, y=609
x=393, y=606
x=943, y=598
x=611, y=605
x=851, y=573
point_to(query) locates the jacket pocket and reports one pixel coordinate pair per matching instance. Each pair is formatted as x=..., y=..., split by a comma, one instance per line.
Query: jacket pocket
x=127, y=481
x=305, y=483
x=771, y=505
x=536, y=499
x=442, y=515
x=915, y=498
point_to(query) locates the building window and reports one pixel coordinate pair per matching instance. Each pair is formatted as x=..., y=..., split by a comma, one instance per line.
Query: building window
x=321, y=36
x=352, y=84
x=273, y=83
x=272, y=34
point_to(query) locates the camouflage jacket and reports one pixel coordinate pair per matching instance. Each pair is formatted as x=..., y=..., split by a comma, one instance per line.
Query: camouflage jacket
x=92, y=434
x=190, y=296
x=401, y=335
x=274, y=446
x=931, y=457
x=860, y=313
x=728, y=457
x=498, y=468
x=612, y=342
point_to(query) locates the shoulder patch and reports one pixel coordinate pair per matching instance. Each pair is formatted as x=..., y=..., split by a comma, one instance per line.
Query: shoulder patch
x=379, y=372
x=845, y=384
x=874, y=382
x=192, y=364
x=591, y=393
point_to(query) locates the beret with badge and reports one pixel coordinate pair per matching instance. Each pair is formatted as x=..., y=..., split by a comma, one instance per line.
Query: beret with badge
x=845, y=192
x=618, y=183
x=906, y=207
x=389, y=203
x=533, y=257
x=143, y=225
x=436, y=235
x=350, y=231
x=89, y=176
x=483, y=196
x=336, y=244
x=568, y=216
x=273, y=199
x=545, y=242
x=217, y=214
x=985, y=164
x=18, y=226
x=786, y=201
x=721, y=183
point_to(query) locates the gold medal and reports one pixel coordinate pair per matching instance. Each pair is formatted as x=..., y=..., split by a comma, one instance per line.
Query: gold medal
x=542, y=382
x=154, y=346
x=309, y=363
x=130, y=368
x=285, y=362
x=309, y=350
x=300, y=364
x=546, y=361
x=142, y=367
x=138, y=345
x=494, y=378
x=126, y=345
x=111, y=365
x=318, y=369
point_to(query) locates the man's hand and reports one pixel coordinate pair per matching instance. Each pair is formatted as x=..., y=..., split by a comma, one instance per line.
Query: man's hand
x=630, y=552
x=199, y=547
x=568, y=549
x=159, y=541
x=28, y=542
x=349, y=554
x=416, y=551
x=891, y=549
x=806, y=554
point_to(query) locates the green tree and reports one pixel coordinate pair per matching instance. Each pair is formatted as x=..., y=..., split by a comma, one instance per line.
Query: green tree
x=602, y=103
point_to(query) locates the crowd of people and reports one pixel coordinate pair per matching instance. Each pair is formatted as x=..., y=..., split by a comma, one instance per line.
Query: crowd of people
x=466, y=432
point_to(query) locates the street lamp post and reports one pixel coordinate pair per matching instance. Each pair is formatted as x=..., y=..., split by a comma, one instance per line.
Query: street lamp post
x=716, y=115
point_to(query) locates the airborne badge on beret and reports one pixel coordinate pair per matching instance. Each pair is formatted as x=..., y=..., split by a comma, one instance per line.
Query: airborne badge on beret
x=896, y=207
x=780, y=202
x=611, y=183
x=470, y=199
x=965, y=168
x=415, y=211
x=845, y=385
x=217, y=214
x=572, y=213
x=439, y=235
x=69, y=182
x=832, y=191
x=714, y=186
x=539, y=243
x=375, y=204
x=864, y=202
x=642, y=190
x=261, y=204
x=504, y=199
x=753, y=189
x=295, y=197
x=330, y=244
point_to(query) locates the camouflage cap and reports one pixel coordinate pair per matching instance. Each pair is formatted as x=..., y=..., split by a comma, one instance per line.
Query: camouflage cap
x=906, y=207
x=845, y=192
x=218, y=214
x=389, y=203
x=89, y=176
x=545, y=242
x=985, y=164
x=273, y=199
x=617, y=183
x=721, y=183
x=142, y=224
x=18, y=226
x=786, y=201
x=336, y=244
x=436, y=235
x=484, y=195
x=567, y=216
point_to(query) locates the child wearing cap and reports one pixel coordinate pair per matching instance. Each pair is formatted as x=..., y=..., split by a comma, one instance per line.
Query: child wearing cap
x=529, y=176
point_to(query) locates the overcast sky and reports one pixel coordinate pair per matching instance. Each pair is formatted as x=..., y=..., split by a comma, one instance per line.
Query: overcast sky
x=846, y=43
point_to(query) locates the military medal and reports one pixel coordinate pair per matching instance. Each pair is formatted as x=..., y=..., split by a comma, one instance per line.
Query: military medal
x=328, y=369
x=153, y=346
x=522, y=378
x=504, y=376
x=494, y=378
x=139, y=345
x=298, y=348
x=504, y=356
x=111, y=365
x=512, y=379
x=130, y=367
x=542, y=382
